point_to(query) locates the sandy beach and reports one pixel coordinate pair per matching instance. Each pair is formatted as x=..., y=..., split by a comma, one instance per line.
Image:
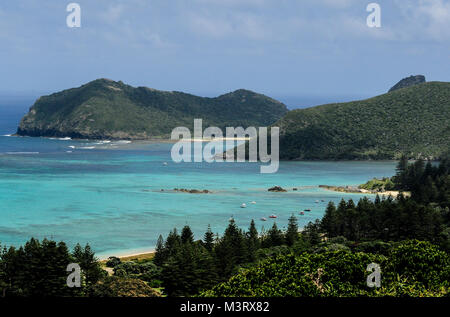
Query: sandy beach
x=127, y=256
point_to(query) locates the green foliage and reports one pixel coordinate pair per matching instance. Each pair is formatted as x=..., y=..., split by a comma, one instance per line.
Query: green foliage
x=413, y=121
x=422, y=262
x=189, y=270
x=292, y=231
x=186, y=235
x=146, y=271
x=413, y=268
x=340, y=273
x=113, y=262
x=427, y=183
x=112, y=110
x=379, y=184
x=91, y=270
x=385, y=219
x=39, y=269
x=114, y=286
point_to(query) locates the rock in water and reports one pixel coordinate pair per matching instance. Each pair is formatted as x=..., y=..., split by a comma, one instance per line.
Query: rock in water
x=409, y=81
x=277, y=189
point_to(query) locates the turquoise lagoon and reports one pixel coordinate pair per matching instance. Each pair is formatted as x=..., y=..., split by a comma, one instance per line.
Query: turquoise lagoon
x=110, y=194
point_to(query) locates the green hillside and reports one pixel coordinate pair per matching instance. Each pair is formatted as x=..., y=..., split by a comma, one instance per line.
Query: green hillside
x=105, y=109
x=413, y=120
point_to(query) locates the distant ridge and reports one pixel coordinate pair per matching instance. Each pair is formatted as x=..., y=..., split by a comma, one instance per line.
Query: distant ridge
x=106, y=109
x=414, y=120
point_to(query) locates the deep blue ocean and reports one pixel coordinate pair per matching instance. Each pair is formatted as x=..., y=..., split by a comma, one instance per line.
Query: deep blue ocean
x=109, y=194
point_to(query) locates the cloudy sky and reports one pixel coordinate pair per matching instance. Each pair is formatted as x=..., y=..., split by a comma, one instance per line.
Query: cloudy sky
x=208, y=47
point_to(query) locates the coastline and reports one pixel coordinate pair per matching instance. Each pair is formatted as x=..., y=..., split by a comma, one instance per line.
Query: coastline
x=128, y=255
x=356, y=190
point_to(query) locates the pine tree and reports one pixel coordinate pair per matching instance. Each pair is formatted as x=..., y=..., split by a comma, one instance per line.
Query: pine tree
x=292, y=231
x=209, y=239
x=186, y=235
x=275, y=236
x=253, y=242
x=160, y=252
x=329, y=220
x=173, y=242
x=89, y=264
x=400, y=176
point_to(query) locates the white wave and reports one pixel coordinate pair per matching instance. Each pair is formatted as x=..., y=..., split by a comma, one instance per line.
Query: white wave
x=22, y=153
x=102, y=142
x=86, y=147
x=123, y=142
x=72, y=146
x=65, y=139
x=7, y=135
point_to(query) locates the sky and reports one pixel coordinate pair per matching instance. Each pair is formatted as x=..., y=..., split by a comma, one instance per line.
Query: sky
x=282, y=48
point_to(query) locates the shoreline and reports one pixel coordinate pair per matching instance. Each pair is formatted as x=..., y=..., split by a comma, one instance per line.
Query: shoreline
x=150, y=140
x=356, y=190
x=127, y=255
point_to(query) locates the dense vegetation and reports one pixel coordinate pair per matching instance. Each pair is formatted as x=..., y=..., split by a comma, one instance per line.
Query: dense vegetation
x=378, y=185
x=414, y=121
x=105, y=109
x=39, y=269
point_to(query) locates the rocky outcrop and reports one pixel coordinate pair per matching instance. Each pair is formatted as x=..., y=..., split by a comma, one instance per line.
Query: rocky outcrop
x=192, y=191
x=408, y=82
x=277, y=189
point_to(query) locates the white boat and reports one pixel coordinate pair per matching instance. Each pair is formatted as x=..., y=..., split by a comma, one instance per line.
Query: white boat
x=244, y=205
x=253, y=202
x=263, y=219
x=165, y=163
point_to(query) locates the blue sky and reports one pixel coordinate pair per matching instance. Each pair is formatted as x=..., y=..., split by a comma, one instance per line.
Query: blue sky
x=209, y=47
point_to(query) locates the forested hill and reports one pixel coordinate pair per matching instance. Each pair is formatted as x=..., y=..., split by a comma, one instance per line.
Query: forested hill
x=105, y=109
x=414, y=121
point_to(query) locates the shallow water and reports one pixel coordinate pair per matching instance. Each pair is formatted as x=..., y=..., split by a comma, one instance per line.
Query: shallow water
x=109, y=194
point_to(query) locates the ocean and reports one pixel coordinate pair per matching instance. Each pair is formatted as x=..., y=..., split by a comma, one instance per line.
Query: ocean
x=118, y=196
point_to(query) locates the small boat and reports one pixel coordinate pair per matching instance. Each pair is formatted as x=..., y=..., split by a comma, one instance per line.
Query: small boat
x=244, y=205
x=302, y=213
x=165, y=163
x=322, y=200
x=317, y=201
x=307, y=209
x=273, y=216
x=253, y=202
x=263, y=219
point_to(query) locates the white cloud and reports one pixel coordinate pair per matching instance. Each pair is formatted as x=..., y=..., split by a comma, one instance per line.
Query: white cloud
x=112, y=13
x=424, y=20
